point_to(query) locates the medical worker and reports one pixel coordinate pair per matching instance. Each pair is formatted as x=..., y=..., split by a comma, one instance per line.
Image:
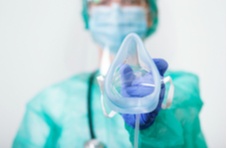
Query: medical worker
x=69, y=114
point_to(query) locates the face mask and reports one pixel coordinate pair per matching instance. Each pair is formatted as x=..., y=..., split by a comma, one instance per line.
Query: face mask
x=110, y=25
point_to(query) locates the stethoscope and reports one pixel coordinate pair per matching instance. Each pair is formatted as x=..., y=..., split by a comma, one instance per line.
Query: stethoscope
x=93, y=142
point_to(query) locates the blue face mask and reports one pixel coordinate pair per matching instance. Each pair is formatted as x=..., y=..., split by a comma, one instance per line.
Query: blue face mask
x=110, y=25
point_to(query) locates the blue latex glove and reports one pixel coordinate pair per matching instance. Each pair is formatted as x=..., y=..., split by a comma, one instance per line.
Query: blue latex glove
x=131, y=88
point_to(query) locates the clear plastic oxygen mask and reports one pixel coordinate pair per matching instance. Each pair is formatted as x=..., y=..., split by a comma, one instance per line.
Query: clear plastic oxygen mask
x=131, y=71
x=131, y=64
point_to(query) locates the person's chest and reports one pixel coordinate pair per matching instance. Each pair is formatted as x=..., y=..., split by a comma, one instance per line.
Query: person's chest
x=75, y=128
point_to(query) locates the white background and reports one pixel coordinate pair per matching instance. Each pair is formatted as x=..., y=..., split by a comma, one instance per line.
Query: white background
x=43, y=42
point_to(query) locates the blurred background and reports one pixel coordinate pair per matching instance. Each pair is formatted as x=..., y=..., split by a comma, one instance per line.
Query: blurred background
x=43, y=42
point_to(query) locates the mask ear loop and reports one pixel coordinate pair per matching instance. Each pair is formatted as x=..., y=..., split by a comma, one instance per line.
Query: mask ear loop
x=101, y=83
x=169, y=98
x=109, y=115
x=105, y=63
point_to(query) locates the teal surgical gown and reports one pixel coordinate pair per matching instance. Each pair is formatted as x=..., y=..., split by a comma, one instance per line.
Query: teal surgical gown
x=58, y=117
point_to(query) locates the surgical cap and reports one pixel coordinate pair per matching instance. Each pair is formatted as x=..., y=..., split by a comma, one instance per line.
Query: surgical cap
x=153, y=12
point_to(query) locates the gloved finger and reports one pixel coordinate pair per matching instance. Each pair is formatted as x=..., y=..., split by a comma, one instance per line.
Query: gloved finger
x=127, y=75
x=138, y=91
x=138, y=87
x=146, y=119
x=162, y=65
x=130, y=119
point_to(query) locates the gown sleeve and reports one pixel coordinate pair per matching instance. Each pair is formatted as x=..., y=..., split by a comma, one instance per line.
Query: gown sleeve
x=178, y=126
x=36, y=128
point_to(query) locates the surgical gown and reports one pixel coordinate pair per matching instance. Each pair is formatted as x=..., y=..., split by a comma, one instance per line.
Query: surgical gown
x=58, y=117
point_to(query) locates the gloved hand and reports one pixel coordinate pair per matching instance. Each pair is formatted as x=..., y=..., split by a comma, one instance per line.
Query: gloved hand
x=131, y=88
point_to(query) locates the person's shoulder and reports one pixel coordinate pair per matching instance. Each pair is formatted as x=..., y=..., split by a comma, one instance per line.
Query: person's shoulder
x=74, y=83
x=183, y=76
x=78, y=81
x=187, y=91
x=185, y=80
x=57, y=94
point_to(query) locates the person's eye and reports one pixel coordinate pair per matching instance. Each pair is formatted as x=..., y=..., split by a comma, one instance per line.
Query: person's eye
x=134, y=2
x=131, y=2
x=104, y=2
x=100, y=2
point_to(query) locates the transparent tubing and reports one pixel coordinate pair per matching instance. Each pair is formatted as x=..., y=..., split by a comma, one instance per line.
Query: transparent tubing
x=136, y=132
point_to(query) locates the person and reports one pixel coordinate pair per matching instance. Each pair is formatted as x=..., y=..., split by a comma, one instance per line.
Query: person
x=69, y=113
